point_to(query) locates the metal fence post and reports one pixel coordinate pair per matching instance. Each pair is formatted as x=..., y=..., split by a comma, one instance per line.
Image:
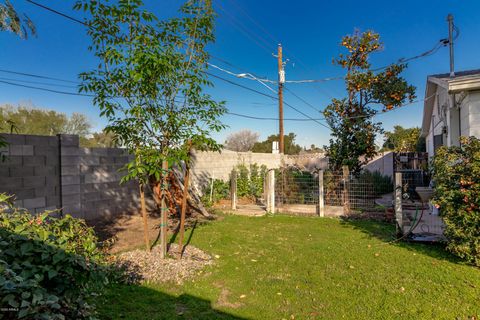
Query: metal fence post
x=233, y=189
x=398, y=202
x=321, y=200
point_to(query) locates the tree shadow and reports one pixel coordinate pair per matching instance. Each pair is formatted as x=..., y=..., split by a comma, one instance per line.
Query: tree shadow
x=385, y=232
x=140, y=302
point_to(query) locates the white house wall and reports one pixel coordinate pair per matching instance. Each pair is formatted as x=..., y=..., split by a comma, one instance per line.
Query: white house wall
x=441, y=99
x=473, y=115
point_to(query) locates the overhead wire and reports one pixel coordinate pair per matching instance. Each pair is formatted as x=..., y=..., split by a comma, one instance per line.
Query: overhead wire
x=35, y=76
x=427, y=53
x=38, y=82
x=244, y=30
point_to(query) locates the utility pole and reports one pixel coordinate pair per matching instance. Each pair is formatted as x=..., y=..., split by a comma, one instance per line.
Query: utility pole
x=450, y=42
x=281, y=81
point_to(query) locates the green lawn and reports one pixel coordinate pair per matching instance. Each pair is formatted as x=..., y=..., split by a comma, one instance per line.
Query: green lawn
x=307, y=268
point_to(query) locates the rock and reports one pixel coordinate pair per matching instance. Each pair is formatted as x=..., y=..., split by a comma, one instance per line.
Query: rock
x=143, y=266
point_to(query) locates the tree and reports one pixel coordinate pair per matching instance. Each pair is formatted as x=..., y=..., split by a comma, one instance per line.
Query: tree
x=11, y=21
x=78, y=124
x=404, y=140
x=242, y=140
x=289, y=144
x=369, y=92
x=150, y=86
x=102, y=139
x=43, y=122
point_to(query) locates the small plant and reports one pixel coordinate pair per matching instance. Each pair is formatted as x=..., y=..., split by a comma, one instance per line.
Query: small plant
x=221, y=190
x=250, y=180
x=456, y=173
x=50, y=268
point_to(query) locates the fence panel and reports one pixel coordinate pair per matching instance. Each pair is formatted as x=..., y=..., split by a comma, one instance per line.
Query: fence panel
x=294, y=186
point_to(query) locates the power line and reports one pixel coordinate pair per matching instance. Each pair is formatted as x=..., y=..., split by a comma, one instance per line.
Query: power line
x=58, y=12
x=303, y=100
x=240, y=27
x=242, y=86
x=267, y=118
x=232, y=113
x=270, y=96
x=38, y=82
x=36, y=76
x=401, y=60
x=45, y=89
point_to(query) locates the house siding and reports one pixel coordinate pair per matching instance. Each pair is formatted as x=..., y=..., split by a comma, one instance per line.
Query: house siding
x=474, y=114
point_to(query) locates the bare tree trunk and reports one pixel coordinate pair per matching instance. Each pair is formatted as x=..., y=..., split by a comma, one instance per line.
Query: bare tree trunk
x=144, y=215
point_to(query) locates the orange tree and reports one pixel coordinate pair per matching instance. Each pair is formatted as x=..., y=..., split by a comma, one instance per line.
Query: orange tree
x=369, y=91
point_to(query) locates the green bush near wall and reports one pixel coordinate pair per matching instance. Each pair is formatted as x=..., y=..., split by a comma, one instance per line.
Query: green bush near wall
x=456, y=174
x=50, y=268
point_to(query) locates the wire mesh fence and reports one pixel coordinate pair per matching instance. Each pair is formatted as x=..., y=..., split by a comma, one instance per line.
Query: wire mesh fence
x=357, y=192
x=340, y=189
x=294, y=186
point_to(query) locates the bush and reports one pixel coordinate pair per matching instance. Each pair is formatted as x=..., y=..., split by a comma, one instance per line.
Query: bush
x=50, y=268
x=250, y=180
x=221, y=190
x=456, y=173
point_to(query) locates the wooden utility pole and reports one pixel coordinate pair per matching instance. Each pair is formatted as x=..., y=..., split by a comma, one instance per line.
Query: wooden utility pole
x=281, y=81
x=450, y=42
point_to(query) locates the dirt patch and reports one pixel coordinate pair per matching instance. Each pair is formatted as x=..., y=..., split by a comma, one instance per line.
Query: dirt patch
x=143, y=266
x=222, y=300
x=126, y=232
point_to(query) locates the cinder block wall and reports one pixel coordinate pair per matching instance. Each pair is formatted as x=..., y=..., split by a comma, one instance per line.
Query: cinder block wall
x=31, y=171
x=48, y=172
x=51, y=172
x=208, y=165
x=91, y=178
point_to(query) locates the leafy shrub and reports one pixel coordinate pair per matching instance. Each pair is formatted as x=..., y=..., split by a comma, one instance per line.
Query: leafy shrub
x=250, y=180
x=249, y=184
x=221, y=190
x=456, y=173
x=49, y=267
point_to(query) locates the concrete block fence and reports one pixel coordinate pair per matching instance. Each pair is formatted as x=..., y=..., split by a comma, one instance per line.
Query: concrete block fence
x=52, y=172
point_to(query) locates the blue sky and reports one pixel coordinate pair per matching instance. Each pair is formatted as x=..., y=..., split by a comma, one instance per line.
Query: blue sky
x=247, y=34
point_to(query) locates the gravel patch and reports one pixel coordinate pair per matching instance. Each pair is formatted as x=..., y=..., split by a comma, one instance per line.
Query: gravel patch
x=143, y=266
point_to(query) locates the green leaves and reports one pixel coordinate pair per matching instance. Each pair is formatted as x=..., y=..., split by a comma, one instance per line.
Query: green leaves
x=456, y=173
x=150, y=80
x=49, y=266
x=369, y=92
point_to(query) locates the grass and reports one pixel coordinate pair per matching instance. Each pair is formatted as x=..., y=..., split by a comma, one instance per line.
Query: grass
x=307, y=268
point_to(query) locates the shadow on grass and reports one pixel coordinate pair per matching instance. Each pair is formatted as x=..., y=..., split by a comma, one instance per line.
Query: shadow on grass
x=139, y=302
x=386, y=232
